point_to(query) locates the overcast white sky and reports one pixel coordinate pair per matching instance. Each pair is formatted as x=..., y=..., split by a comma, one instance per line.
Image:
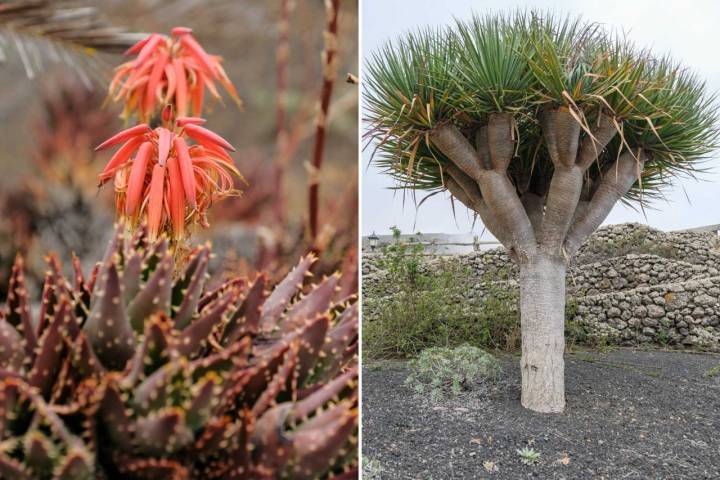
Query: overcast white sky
x=687, y=29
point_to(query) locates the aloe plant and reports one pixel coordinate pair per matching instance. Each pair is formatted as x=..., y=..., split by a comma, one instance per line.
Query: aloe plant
x=142, y=371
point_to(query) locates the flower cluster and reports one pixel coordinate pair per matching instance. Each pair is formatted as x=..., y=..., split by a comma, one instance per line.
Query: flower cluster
x=168, y=176
x=173, y=70
x=169, y=183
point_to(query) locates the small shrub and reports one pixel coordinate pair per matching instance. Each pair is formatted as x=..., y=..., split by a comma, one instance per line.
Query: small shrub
x=426, y=308
x=498, y=317
x=372, y=469
x=713, y=372
x=528, y=456
x=441, y=371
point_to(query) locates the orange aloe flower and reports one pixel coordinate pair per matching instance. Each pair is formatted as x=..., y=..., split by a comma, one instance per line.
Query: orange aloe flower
x=163, y=180
x=172, y=70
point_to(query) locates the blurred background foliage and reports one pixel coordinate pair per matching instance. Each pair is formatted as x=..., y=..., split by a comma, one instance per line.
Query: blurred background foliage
x=53, y=116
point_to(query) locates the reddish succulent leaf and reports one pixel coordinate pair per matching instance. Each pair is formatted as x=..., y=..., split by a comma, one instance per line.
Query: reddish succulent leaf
x=195, y=335
x=311, y=338
x=324, y=394
x=107, y=328
x=279, y=299
x=153, y=393
x=238, y=284
x=84, y=359
x=339, y=345
x=249, y=384
x=272, y=449
x=17, y=310
x=234, y=357
x=151, y=468
x=154, y=296
x=321, y=439
x=80, y=290
x=246, y=320
x=115, y=419
x=214, y=435
x=279, y=382
x=349, y=277
x=314, y=303
x=131, y=275
x=154, y=351
x=162, y=432
x=11, y=469
x=77, y=465
x=47, y=362
x=239, y=466
x=38, y=451
x=9, y=397
x=189, y=288
x=90, y=285
x=48, y=301
x=205, y=399
x=12, y=353
x=350, y=474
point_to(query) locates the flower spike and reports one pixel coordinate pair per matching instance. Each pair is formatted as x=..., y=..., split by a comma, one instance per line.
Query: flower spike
x=169, y=183
x=174, y=70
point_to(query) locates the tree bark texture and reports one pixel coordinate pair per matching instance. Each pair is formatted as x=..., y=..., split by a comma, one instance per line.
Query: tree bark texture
x=542, y=316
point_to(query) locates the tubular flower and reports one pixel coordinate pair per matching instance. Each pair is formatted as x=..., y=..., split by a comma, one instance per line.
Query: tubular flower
x=169, y=70
x=162, y=179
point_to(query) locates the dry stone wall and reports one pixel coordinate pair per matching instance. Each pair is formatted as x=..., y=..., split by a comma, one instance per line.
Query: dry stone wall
x=629, y=285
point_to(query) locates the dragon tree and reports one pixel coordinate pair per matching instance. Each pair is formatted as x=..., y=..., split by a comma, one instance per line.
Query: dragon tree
x=539, y=125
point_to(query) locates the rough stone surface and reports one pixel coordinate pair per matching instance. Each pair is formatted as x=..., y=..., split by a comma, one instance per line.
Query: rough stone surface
x=631, y=285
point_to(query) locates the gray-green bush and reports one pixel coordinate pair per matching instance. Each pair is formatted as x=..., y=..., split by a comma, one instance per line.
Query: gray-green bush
x=441, y=371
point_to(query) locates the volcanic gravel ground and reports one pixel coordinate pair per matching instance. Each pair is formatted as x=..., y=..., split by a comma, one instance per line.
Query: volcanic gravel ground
x=630, y=414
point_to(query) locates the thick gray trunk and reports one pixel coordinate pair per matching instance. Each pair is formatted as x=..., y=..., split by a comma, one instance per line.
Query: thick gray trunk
x=542, y=313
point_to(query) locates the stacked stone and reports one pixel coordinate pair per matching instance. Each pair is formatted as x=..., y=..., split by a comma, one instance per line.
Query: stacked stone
x=632, y=285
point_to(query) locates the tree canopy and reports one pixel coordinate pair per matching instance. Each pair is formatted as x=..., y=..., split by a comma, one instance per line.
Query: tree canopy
x=524, y=64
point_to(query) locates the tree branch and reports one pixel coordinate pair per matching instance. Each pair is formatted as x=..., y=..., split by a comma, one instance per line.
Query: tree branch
x=469, y=188
x=602, y=132
x=613, y=186
x=571, y=158
x=561, y=132
x=534, y=205
x=497, y=190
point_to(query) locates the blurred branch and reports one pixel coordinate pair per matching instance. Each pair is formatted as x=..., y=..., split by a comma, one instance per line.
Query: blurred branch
x=59, y=32
x=282, y=55
x=329, y=73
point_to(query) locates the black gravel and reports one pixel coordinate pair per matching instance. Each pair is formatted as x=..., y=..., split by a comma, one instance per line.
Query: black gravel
x=630, y=415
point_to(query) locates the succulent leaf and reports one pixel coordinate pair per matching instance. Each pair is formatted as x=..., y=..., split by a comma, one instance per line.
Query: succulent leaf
x=107, y=328
x=16, y=310
x=162, y=379
x=283, y=293
x=186, y=292
x=154, y=296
